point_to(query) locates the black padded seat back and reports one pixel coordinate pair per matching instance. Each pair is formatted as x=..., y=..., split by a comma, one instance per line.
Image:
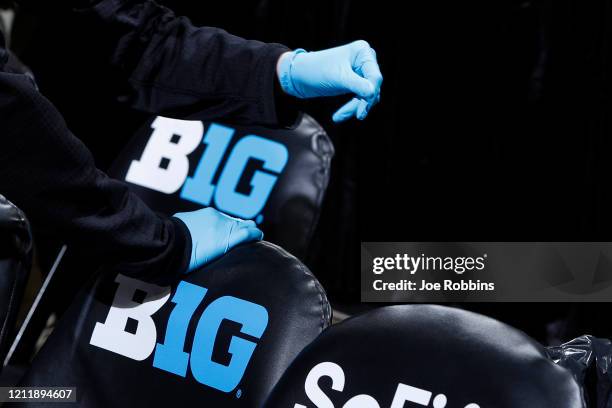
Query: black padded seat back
x=221, y=337
x=424, y=356
x=276, y=177
x=15, y=263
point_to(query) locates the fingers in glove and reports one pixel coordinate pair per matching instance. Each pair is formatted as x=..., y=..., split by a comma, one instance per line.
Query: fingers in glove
x=347, y=111
x=359, y=85
x=370, y=70
x=362, y=109
x=245, y=233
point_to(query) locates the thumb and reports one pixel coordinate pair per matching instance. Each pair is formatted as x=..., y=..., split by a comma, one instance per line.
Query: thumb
x=359, y=85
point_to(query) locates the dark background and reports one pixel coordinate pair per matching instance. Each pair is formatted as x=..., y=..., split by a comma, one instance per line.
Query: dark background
x=494, y=123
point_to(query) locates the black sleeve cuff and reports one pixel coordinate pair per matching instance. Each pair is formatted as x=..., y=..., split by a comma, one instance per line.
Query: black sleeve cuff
x=183, y=245
x=276, y=107
x=168, y=267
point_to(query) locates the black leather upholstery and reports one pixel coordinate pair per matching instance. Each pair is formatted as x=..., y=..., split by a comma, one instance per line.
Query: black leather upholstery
x=289, y=213
x=430, y=356
x=259, y=273
x=15, y=262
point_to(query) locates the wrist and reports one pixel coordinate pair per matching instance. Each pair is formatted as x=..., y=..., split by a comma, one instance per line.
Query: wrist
x=183, y=244
x=284, y=69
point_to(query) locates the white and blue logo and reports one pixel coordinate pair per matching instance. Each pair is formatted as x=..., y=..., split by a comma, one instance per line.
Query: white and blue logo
x=164, y=166
x=170, y=355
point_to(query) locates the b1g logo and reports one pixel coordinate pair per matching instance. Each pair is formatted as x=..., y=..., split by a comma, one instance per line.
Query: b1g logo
x=405, y=396
x=164, y=165
x=170, y=356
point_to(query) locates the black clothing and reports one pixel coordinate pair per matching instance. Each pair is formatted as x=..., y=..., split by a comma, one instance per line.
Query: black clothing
x=174, y=67
x=170, y=67
x=47, y=172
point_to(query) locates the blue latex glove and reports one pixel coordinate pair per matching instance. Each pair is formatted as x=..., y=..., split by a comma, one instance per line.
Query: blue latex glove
x=214, y=233
x=351, y=68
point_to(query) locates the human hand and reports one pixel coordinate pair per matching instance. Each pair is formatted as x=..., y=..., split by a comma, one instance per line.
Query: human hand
x=213, y=234
x=348, y=69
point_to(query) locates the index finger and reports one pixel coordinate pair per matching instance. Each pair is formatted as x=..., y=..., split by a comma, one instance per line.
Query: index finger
x=371, y=72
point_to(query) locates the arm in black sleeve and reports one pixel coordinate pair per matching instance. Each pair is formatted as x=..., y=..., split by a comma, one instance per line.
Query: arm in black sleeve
x=174, y=67
x=51, y=175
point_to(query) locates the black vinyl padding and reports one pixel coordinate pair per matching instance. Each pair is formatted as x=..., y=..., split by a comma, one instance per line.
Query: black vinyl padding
x=15, y=263
x=262, y=273
x=469, y=358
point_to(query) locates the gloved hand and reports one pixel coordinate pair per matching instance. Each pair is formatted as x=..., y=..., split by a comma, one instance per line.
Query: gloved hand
x=214, y=233
x=351, y=68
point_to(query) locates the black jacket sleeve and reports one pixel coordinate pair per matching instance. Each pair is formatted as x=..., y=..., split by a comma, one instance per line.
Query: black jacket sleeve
x=173, y=67
x=51, y=176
